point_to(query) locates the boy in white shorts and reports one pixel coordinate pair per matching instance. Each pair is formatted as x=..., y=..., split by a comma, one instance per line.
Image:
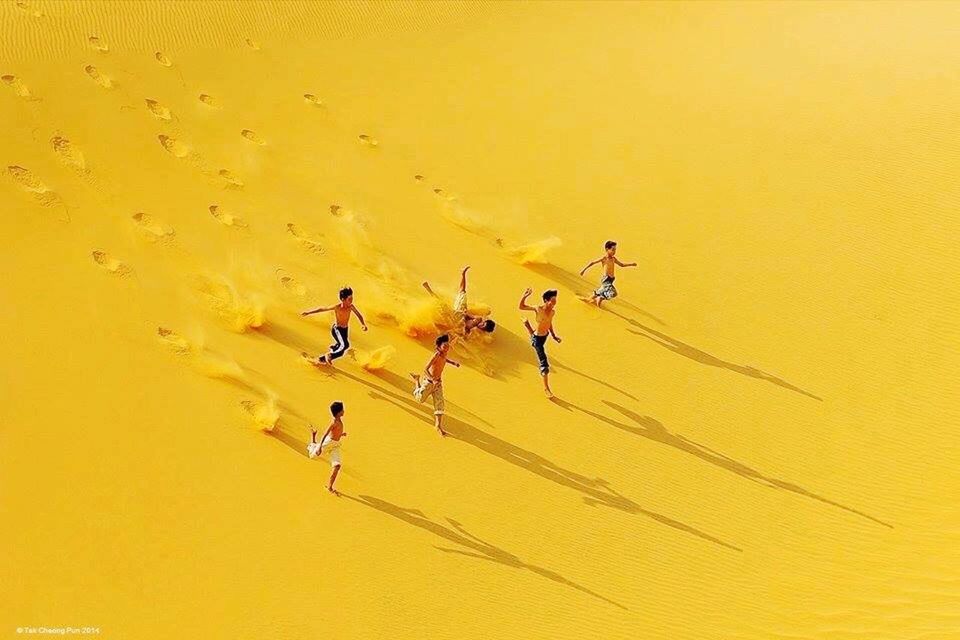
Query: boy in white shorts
x=330, y=443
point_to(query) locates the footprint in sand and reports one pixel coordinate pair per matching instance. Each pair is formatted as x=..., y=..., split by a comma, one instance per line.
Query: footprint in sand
x=158, y=110
x=207, y=99
x=253, y=44
x=336, y=210
x=24, y=6
x=98, y=44
x=98, y=77
x=265, y=415
x=443, y=195
x=291, y=284
x=30, y=183
x=175, y=342
x=253, y=137
x=174, y=146
x=240, y=311
x=18, y=87
x=368, y=141
x=225, y=218
x=419, y=178
x=162, y=60
x=151, y=228
x=69, y=154
x=111, y=265
x=312, y=99
x=230, y=179
x=304, y=239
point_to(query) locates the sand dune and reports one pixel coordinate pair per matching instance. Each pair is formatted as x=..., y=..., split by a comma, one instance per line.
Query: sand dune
x=755, y=440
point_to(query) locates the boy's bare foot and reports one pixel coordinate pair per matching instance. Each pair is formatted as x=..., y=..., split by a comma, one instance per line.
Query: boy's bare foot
x=548, y=393
x=442, y=433
x=333, y=491
x=526, y=324
x=323, y=359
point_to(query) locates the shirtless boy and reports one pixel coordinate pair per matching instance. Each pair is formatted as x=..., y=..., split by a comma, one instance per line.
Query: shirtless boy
x=538, y=338
x=430, y=383
x=469, y=322
x=341, y=324
x=609, y=260
x=330, y=443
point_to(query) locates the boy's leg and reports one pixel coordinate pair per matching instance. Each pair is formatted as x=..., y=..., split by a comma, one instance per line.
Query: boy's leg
x=439, y=406
x=333, y=478
x=342, y=343
x=527, y=326
x=463, y=280
x=426, y=285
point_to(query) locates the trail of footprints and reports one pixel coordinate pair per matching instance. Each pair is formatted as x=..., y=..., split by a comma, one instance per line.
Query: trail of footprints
x=158, y=111
x=18, y=87
x=111, y=265
x=97, y=43
x=102, y=80
x=305, y=240
x=152, y=228
x=226, y=218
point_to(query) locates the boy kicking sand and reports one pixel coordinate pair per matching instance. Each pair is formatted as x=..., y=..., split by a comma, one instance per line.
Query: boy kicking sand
x=341, y=325
x=606, y=291
x=538, y=338
x=430, y=384
x=468, y=322
x=330, y=443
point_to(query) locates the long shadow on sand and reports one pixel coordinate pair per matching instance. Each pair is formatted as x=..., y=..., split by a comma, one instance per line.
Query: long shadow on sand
x=594, y=491
x=511, y=347
x=473, y=546
x=579, y=286
x=652, y=429
x=689, y=351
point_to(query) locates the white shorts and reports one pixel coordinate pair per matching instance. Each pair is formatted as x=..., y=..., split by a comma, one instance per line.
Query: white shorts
x=430, y=389
x=330, y=447
x=460, y=304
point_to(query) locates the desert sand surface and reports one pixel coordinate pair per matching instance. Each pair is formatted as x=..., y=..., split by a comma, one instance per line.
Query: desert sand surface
x=757, y=439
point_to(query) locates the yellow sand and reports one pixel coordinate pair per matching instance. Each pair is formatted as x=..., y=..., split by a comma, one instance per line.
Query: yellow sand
x=757, y=440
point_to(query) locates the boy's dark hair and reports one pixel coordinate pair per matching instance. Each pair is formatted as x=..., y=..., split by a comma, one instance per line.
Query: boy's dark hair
x=609, y=244
x=345, y=293
x=549, y=293
x=336, y=408
x=441, y=339
x=488, y=326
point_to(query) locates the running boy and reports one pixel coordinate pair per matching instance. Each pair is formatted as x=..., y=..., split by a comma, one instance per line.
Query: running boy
x=469, y=323
x=330, y=443
x=430, y=384
x=341, y=325
x=606, y=291
x=544, y=316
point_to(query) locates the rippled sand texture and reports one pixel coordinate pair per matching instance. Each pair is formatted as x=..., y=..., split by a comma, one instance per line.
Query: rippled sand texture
x=756, y=440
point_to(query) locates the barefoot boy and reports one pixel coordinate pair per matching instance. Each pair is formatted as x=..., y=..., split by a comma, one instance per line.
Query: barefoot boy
x=341, y=324
x=544, y=316
x=430, y=384
x=469, y=323
x=606, y=291
x=330, y=443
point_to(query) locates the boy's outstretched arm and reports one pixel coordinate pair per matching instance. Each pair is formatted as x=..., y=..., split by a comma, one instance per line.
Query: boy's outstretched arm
x=317, y=310
x=590, y=264
x=453, y=362
x=360, y=317
x=523, y=301
x=625, y=264
x=554, y=334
